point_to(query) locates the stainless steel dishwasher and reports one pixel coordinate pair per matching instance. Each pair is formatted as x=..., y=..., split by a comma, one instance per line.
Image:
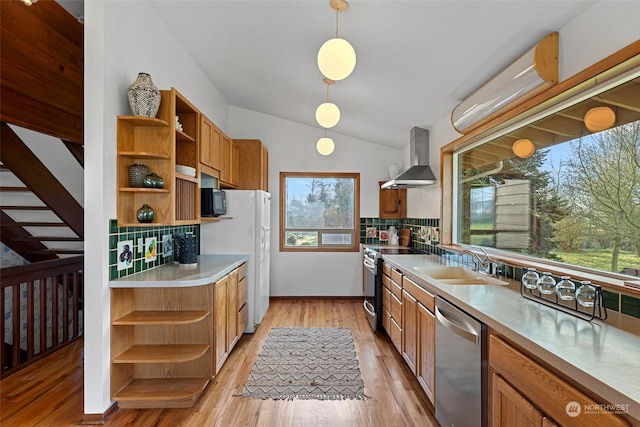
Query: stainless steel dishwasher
x=461, y=371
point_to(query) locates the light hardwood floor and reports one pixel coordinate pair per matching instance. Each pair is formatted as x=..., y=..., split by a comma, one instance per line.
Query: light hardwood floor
x=49, y=393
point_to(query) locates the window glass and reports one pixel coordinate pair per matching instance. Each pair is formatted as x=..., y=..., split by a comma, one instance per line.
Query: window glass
x=319, y=211
x=565, y=187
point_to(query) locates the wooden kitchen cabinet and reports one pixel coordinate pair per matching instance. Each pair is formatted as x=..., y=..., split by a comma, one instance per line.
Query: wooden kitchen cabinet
x=418, y=334
x=253, y=165
x=158, y=144
x=168, y=343
x=392, y=203
x=161, y=346
x=392, y=305
x=228, y=314
x=228, y=163
x=209, y=141
x=538, y=398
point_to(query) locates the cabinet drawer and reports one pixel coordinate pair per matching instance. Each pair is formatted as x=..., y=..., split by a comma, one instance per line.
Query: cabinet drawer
x=243, y=318
x=243, y=292
x=396, y=335
x=396, y=309
x=418, y=292
x=386, y=269
x=396, y=276
x=386, y=298
x=386, y=320
x=242, y=271
x=396, y=289
x=386, y=281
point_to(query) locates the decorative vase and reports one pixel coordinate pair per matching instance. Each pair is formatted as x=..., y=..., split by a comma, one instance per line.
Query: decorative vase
x=145, y=214
x=144, y=96
x=137, y=173
x=152, y=180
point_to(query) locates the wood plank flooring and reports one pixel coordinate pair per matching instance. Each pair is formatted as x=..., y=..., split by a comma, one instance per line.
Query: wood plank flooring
x=49, y=393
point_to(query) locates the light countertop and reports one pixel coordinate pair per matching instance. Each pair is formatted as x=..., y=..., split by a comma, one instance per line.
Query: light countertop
x=209, y=269
x=602, y=357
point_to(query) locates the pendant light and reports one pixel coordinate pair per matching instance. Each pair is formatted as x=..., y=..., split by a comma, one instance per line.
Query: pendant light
x=325, y=146
x=523, y=148
x=336, y=57
x=328, y=113
x=599, y=118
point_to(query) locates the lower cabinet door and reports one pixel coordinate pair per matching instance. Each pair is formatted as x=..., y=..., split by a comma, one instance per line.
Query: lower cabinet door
x=510, y=409
x=426, y=351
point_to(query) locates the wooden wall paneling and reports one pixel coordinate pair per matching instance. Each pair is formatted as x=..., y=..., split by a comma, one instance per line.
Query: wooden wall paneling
x=42, y=81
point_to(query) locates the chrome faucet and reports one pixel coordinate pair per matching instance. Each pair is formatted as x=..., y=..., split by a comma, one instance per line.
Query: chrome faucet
x=489, y=266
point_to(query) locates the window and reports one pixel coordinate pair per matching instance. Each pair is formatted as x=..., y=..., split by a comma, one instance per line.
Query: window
x=574, y=200
x=319, y=211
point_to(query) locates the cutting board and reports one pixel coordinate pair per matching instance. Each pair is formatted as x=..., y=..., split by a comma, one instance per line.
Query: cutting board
x=405, y=237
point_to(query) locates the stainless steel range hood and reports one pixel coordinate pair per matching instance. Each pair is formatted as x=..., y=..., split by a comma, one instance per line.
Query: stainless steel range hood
x=419, y=172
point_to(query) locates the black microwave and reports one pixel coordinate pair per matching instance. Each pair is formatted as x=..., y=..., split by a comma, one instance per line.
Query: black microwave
x=212, y=202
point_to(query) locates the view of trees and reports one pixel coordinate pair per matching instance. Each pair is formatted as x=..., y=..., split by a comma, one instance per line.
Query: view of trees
x=586, y=209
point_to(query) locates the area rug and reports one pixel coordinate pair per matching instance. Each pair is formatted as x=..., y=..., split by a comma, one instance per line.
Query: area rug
x=307, y=364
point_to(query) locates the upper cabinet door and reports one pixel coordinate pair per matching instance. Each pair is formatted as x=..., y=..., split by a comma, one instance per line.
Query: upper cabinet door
x=393, y=203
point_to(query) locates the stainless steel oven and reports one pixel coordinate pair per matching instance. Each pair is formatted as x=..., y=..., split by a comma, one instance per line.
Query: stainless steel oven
x=373, y=281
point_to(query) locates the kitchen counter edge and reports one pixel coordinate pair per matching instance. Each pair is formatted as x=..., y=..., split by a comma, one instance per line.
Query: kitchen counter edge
x=209, y=269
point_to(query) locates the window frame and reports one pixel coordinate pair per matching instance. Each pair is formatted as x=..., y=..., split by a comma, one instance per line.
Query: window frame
x=355, y=231
x=612, y=68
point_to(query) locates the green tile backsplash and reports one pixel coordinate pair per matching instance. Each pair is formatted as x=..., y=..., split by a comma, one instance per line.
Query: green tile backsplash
x=626, y=304
x=138, y=262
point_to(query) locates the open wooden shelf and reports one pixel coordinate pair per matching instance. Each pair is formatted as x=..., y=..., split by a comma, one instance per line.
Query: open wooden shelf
x=186, y=178
x=143, y=190
x=183, y=137
x=161, y=392
x=158, y=317
x=143, y=121
x=143, y=155
x=161, y=353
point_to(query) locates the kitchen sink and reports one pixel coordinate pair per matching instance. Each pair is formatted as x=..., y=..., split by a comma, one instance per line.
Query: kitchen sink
x=458, y=276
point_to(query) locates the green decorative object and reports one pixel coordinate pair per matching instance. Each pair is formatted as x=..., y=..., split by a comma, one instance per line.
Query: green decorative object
x=153, y=181
x=145, y=214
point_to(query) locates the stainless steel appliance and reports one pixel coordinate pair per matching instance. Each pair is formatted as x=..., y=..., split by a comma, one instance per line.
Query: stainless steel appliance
x=461, y=372
x=373, y=281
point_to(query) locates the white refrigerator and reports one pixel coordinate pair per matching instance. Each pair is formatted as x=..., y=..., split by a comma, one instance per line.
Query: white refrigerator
x=245, y=230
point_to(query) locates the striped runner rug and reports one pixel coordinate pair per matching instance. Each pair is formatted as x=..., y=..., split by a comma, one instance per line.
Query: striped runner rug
x=308, y=364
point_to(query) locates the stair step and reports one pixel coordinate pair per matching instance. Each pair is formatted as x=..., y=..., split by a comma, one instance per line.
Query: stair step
x=47, y=239
x=25, y=208
x=33, y=224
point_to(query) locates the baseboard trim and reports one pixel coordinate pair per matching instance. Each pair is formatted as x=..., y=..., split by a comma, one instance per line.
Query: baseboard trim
x=97, y=419
x=307, y=297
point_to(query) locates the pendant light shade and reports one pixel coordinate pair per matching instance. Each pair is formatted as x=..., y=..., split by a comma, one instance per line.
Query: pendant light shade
x=523, y=148
x=336, y=59
x=599, y=118
x=325, y=146
x=328, y=114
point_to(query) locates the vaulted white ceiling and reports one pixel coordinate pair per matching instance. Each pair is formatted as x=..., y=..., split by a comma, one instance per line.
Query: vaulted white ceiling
x=416, y=60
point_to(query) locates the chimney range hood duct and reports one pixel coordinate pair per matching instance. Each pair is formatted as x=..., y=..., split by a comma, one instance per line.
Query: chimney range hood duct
x=419, y=172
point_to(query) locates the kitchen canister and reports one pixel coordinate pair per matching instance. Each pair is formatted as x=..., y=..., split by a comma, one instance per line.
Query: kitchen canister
x=185, y=249
x=137, y=173
x=144, y=96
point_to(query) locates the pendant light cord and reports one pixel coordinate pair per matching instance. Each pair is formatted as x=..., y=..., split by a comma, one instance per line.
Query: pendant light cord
x=337, y=14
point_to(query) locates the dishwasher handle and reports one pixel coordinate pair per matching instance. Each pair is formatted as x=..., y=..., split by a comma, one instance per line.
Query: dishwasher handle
x=456, y=328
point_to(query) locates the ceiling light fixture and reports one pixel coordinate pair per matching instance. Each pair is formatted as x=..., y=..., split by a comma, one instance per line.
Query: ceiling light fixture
x=523, y=148
x=599, y=118
x=325, y=146
x=328, y=113
x=336, y=57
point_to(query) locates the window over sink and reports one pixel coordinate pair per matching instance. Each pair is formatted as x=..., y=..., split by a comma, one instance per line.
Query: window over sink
x=319, y=211
x=572, y=195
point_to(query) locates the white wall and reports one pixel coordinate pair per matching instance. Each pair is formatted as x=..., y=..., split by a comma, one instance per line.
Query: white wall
x=292, y=149
x=601, y=30
x=121, y=40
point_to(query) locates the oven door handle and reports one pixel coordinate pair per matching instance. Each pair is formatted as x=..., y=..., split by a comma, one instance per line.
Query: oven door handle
x=370, y=266
x=371, y=310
